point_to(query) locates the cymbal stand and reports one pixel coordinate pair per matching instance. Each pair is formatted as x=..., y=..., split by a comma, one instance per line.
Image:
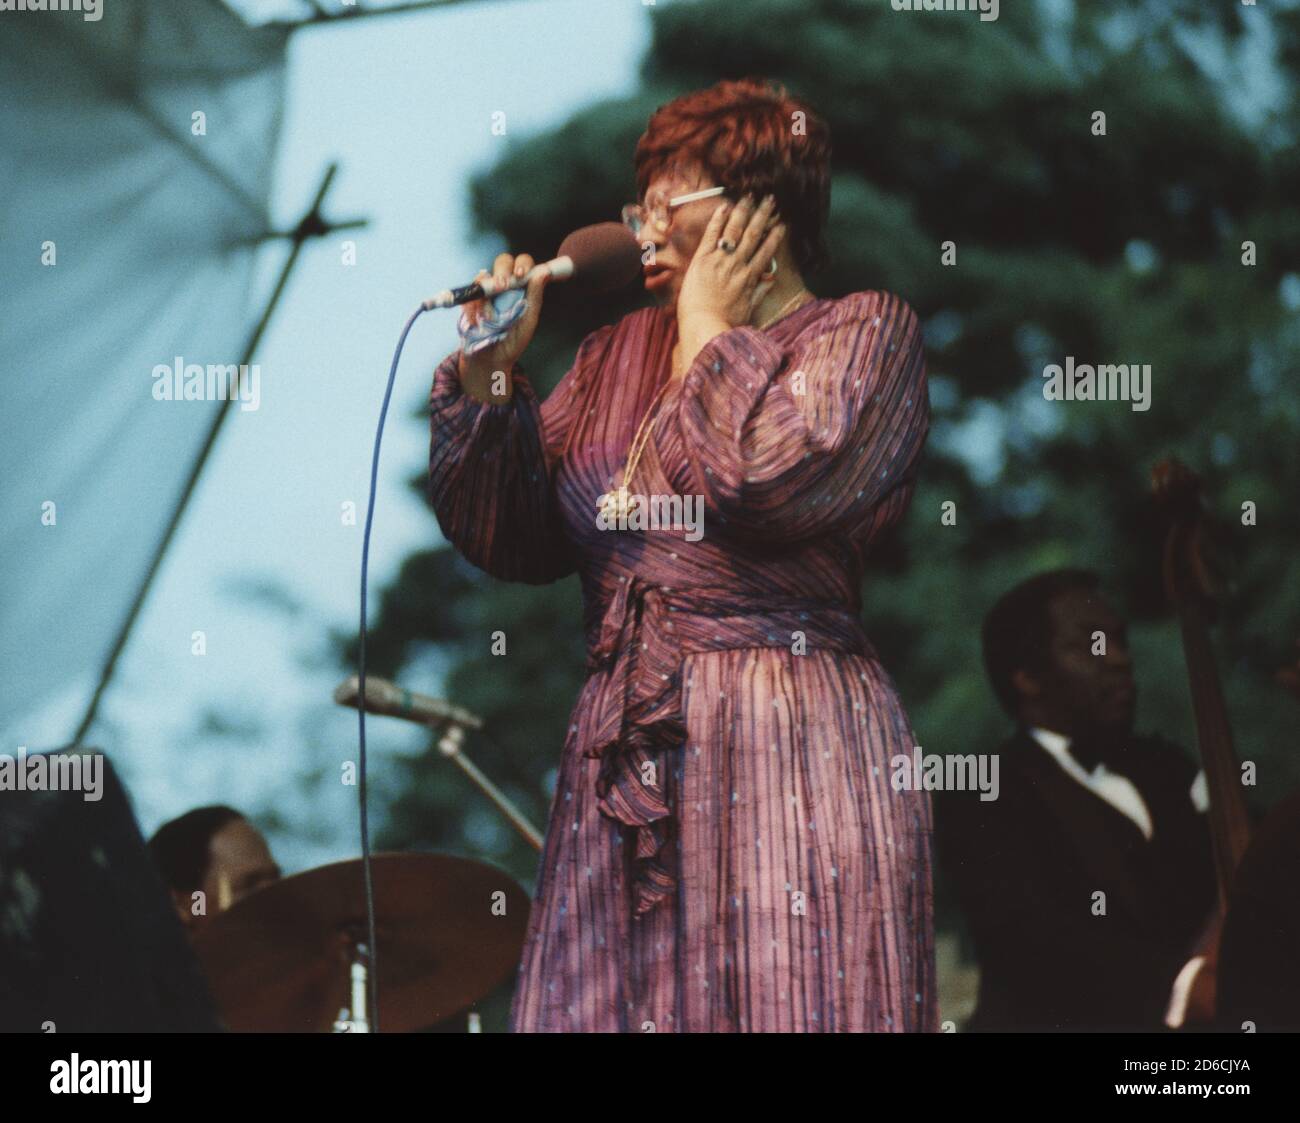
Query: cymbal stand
x=355, y=1020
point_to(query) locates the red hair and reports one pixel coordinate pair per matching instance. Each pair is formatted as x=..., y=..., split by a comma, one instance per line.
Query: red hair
x=750, y=136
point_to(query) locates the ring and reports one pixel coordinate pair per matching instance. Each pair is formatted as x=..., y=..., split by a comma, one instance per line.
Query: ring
x=726, y=245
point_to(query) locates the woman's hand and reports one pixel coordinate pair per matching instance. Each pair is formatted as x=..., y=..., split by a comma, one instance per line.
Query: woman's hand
x=725, y=287
x=721, y=290
x=478, y=372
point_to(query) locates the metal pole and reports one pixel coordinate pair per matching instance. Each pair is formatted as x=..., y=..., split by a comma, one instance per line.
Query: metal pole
x=312, y=225
x=321, y=17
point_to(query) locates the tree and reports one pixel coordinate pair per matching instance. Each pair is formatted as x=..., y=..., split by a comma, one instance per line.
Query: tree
x=1122, y=245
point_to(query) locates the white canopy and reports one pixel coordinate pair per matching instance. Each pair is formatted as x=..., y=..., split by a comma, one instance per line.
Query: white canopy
x=127, y=241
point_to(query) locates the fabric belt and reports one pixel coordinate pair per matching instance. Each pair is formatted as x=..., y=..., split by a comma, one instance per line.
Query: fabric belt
x=646, y=633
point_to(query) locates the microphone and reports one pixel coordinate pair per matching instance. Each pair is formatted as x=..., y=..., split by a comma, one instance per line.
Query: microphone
x=384, y=697
x=603, y=257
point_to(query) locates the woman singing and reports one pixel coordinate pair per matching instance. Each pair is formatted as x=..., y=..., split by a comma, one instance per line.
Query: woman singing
x=725, y=850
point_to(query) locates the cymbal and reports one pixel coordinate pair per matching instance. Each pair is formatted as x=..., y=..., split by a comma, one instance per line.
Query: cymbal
x=449, y=930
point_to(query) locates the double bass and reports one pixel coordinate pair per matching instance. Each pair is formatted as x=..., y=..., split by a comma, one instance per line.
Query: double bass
x=1192, y=586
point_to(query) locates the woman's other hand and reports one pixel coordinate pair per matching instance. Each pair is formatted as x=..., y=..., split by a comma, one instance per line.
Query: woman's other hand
x=486, y=375
x=723, y=287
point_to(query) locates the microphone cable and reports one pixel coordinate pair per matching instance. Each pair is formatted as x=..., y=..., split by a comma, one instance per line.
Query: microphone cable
x=372, y=970
x=450, y=298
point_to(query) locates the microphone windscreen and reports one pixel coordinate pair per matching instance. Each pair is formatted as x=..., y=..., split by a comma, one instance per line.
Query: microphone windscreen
x=606, y=256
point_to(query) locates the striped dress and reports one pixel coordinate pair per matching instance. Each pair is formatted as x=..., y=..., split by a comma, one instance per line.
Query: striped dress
x=725, y=850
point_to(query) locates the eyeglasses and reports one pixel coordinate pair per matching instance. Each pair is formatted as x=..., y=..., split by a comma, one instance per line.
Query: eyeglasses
x=637, y=217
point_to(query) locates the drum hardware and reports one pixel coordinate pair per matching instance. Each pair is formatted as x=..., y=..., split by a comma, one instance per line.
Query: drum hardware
x=286, y=956
x=291, y=957
x=353, y=1019
x=390, y=700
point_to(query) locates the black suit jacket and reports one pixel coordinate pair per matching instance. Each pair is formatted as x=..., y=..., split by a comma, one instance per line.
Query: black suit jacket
x=1027, y=865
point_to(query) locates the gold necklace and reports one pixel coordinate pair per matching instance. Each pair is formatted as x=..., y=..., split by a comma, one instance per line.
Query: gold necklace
x=617, y=505
x=784, y=309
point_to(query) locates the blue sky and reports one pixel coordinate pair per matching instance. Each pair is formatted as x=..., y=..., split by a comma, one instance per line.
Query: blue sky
x=404, y=104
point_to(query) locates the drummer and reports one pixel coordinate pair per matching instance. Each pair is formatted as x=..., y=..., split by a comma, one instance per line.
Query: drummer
x=209, y=858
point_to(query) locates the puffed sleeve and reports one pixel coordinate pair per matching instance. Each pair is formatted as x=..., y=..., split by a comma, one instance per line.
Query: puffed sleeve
x=788, y=444
x=491, y=468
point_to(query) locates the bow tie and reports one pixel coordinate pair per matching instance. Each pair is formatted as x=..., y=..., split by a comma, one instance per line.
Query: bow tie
x=1092, y=751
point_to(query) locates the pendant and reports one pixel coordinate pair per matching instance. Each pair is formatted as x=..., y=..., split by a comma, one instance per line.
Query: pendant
x=616, y=506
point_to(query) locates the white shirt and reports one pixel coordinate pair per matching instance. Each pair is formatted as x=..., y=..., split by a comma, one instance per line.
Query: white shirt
x=1102, y=781
x=1119, y=791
